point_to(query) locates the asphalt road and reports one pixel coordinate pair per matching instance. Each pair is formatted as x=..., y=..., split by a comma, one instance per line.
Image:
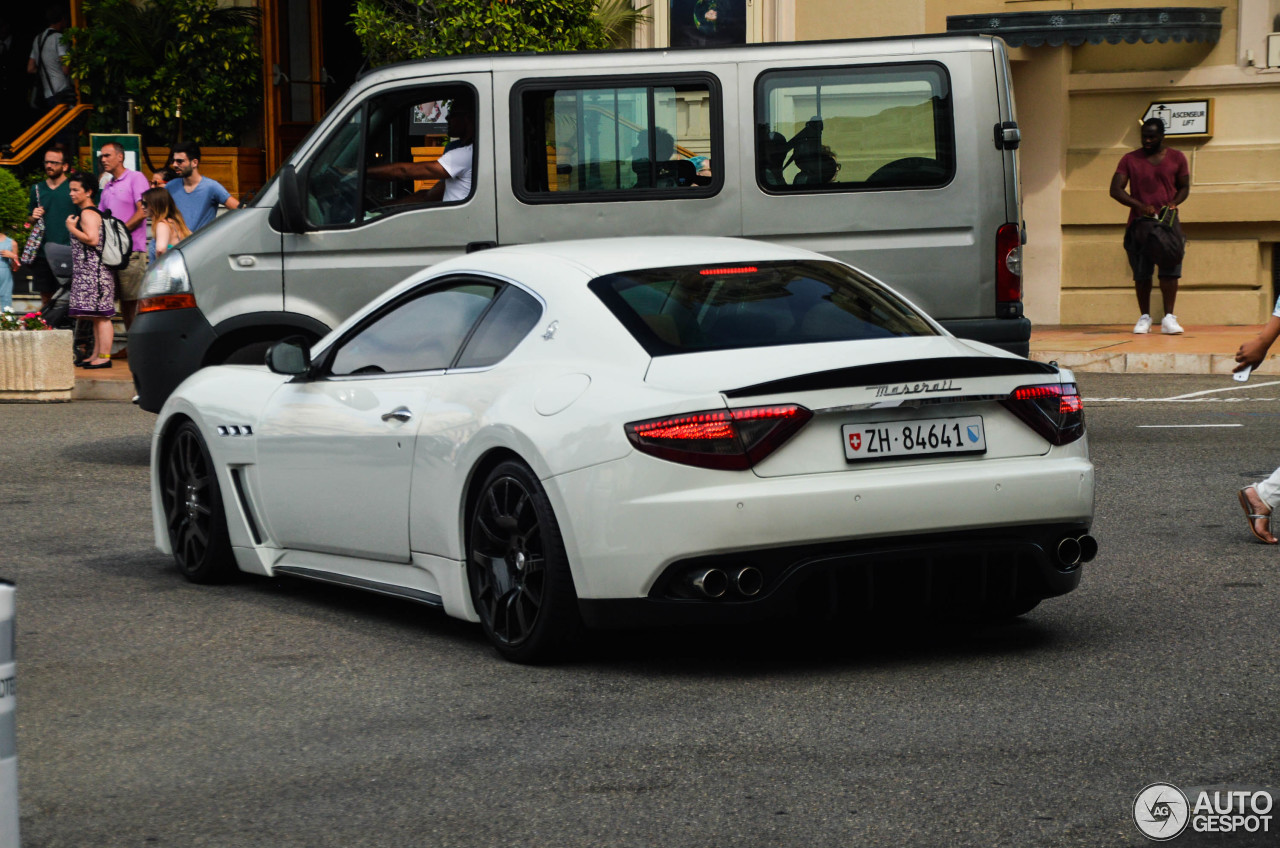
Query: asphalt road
x=156, y=713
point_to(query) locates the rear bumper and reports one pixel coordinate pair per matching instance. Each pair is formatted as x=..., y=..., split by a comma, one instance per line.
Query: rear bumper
x=165, y=348
x=1011, y=334
x=944, y=573
x=626, y=523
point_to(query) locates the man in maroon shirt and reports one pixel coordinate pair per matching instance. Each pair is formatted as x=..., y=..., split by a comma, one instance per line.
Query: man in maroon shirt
x=1157, y=176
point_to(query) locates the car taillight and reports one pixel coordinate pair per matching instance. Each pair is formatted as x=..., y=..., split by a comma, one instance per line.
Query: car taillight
x=1009, y=264
x=733, y=439
x=1055, y=411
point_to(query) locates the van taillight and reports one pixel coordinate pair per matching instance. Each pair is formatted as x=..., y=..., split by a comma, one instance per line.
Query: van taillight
x=167, y=301
x=732, y=439
x=1008, y=268
x=1055, y=410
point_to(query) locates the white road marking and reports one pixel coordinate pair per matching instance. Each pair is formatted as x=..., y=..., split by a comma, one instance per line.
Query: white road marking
x=1185, y=400
x=1224, y=389
x=1195, y=397
x=1182, y=426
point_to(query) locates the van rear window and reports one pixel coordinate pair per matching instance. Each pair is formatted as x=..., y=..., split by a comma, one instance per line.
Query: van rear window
x=641, y=137
x=722, y=307
x=854, y=128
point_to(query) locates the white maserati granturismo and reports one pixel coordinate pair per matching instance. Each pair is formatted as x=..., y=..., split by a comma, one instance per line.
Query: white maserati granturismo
x=624, y=432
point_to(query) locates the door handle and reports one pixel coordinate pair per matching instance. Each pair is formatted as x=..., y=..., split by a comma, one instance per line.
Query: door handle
x=400, y=414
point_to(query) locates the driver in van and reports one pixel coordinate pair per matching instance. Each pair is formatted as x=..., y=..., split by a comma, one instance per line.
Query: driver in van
x=452, y=169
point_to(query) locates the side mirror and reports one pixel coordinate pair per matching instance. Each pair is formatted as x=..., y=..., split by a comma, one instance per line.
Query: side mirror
x=289, y=357
x=290, y=215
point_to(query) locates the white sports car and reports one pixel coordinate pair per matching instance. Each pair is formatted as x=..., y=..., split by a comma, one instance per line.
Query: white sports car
x=631, y=431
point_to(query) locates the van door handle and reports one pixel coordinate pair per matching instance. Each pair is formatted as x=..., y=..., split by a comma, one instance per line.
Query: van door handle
x=399, y=414
x=473, y=246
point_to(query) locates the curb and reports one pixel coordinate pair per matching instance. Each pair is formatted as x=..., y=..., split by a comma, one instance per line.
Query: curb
x=1101, y=362
x=87, y=388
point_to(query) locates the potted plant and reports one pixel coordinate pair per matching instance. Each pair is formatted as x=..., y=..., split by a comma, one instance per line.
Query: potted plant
x=35, y=361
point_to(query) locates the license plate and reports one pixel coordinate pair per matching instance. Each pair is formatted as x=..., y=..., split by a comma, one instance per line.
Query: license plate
x=928, y=437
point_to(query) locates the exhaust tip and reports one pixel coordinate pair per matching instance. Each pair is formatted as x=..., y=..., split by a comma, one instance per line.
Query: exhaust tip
x=1088, y=548
x=748, y=581
x=711, y=582
x=1069, y=552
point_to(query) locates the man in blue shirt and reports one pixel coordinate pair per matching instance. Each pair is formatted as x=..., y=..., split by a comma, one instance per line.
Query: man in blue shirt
x=197, y=197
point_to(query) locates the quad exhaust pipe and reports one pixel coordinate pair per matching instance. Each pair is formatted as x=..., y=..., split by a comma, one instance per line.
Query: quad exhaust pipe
x=1074, y=550
x=710, y=582
x=748, y=581
x=716, y=583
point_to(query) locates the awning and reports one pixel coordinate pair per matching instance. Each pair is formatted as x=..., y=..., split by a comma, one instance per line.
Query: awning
x=1096, y=26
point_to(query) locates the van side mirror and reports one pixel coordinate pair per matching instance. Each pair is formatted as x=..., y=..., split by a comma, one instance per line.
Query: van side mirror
x=289, y=357
x=289, y=215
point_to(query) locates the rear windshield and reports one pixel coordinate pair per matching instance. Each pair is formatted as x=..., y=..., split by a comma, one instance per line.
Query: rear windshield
x=722, y=307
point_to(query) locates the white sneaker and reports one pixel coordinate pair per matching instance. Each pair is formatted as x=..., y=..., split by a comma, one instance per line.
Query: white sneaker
x=1170, y=326
x=1143, y=326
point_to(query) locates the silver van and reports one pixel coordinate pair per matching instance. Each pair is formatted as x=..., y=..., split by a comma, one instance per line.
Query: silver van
x=895, y=155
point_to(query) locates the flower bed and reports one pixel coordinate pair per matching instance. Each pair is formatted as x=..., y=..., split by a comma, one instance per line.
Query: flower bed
x=35, y=362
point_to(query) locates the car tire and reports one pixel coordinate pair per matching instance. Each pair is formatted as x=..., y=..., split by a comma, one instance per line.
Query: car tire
x=1011, y=609
x=518, y=570
x=193, y=510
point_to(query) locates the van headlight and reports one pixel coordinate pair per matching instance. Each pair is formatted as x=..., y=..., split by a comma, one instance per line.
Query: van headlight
x=167, y=285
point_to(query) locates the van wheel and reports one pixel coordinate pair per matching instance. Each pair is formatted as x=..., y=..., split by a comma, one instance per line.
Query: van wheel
x=193, y=510
x=250, y=354
x=518, y=570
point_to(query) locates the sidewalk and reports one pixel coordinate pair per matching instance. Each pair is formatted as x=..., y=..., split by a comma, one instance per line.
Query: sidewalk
x=1114, y=349
x=114, y=383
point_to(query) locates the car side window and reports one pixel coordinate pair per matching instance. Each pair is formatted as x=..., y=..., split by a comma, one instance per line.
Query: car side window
x=372, y=165
x=860, y=128
x=652, y=138
x=421, y=334
x=504, y=326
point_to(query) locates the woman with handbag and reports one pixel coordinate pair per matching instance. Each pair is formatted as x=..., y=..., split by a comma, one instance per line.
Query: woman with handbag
x=93, y=285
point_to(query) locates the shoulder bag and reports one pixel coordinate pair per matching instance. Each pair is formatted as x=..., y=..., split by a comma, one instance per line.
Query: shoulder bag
x=35, y=237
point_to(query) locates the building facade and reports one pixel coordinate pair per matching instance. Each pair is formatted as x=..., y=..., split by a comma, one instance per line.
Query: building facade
x=1086, y=73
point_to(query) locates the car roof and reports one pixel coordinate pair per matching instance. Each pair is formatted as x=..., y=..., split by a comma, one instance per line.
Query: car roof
x=598, y=257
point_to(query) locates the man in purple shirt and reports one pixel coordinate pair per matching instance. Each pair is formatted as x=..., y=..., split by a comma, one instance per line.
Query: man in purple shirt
x=122, y=197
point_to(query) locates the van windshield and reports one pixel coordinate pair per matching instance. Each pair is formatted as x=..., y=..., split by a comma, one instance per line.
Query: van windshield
x=722, y=307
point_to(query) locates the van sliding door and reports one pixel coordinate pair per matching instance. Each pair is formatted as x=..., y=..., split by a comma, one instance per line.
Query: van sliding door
x=598, y=154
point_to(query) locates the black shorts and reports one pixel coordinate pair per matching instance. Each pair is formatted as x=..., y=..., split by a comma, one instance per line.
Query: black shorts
x=1144, y=267
x=42, y=279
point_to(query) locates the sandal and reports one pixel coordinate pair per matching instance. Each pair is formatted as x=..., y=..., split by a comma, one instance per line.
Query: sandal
x=1255, y=516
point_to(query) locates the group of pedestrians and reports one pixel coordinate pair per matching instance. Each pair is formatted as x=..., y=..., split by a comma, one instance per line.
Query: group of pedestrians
x=72, y=204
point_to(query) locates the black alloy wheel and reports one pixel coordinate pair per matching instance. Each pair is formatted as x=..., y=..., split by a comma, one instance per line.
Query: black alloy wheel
x=518, y=570
x=193, y=510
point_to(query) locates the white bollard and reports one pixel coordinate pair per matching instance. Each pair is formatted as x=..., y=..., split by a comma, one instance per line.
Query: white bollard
x=8, y=721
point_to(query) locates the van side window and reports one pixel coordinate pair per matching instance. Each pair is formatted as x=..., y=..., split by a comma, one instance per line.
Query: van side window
x=605, y=142
x=860, y=128
x=409, y=147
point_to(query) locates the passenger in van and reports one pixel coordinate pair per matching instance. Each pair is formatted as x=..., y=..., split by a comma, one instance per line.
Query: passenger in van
x=775, y=154
x=817, y=167
x=651, y=173
x=452, y=169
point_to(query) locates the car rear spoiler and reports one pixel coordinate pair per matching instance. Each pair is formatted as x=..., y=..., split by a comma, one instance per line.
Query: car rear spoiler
x=904, y=371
